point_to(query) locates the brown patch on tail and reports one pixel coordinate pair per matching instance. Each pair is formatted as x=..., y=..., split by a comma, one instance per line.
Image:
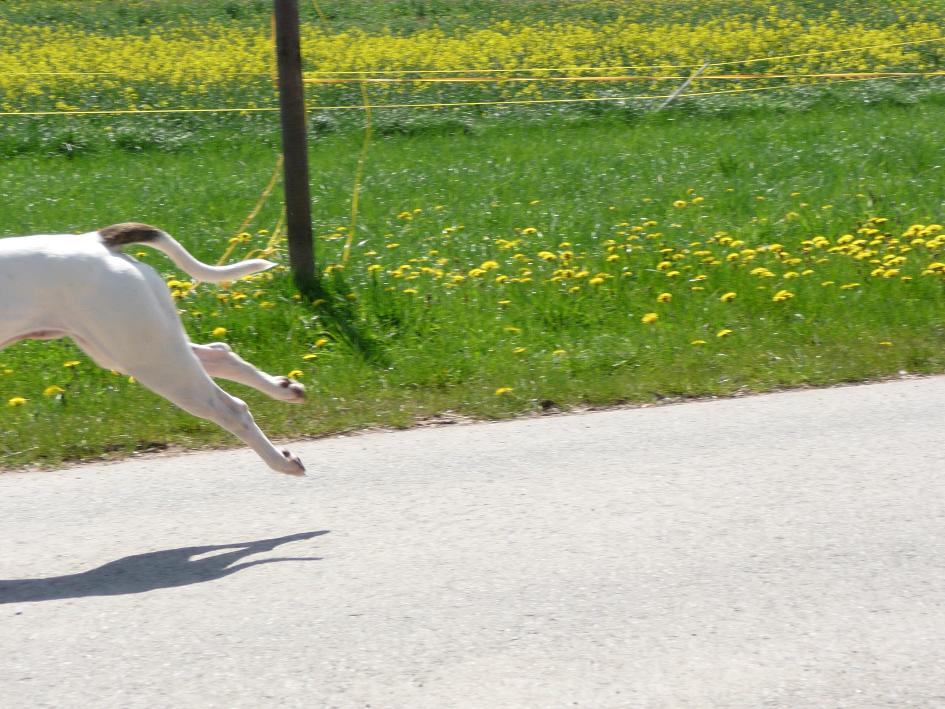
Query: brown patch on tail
x=118, y=235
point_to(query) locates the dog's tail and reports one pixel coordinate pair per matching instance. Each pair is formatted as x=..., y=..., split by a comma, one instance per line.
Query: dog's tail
x=118, y=235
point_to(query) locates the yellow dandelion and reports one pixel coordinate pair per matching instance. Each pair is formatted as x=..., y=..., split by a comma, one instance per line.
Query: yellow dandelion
x=52, y=390
x=71, y=363
x=728, y=297
x=782, y=295
x=218, y=331
x=16, y=401
x=649, y=318
x=502, y=391
x=679, y=203
x=664, y=297
x=697, y=342
x=725, y=332
x=294, y=374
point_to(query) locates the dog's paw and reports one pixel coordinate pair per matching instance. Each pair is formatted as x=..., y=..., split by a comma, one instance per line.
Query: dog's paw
x=291, y=391
x=293, y=466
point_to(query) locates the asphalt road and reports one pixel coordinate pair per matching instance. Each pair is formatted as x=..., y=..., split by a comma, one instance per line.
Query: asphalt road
x=784, y=550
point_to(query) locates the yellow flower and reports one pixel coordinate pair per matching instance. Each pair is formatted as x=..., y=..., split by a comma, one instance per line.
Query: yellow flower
x=679, y=203
x=71, y=363
x=52, y=390
x=697, y=342
x=520, y=350
x=782, y=295
x=294, y=374
x=16, y=401
x=723, y=333
x=727, y=297
x=649, y=318
x=664, y=297
x=559, y=352
x=886, y=343
x=501, y=391
x=310, y=356
x=218, y=331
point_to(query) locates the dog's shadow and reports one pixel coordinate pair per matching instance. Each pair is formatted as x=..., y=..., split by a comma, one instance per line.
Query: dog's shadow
x=146, y=572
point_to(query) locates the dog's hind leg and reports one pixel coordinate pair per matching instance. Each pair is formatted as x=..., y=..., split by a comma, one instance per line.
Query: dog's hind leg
x=220, y=361
x=183, y=381
x=166, y=365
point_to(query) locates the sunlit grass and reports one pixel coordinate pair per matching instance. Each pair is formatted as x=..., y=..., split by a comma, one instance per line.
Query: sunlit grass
x=512, y=267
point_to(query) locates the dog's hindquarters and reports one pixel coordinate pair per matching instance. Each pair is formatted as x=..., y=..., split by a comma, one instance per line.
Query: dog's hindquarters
x=144, y=338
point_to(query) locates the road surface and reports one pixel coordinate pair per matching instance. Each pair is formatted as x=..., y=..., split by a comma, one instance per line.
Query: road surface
x=785, y=550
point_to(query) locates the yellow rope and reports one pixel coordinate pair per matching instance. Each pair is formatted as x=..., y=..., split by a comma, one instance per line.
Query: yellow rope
x=637, y=77
x=128, y=111
x=252, y=214
x=273, y=242
x=362, y=156
x=358, y=174
x=583, y=100
x=368, y=107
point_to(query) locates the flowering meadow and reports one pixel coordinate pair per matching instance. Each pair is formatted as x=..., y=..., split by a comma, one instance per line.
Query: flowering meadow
x=197, y=59
x=506, y=262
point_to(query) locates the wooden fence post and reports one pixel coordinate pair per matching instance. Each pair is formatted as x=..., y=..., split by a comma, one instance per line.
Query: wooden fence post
x=298, y=210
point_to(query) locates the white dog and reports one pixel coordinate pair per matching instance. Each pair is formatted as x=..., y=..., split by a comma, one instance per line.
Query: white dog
x=120, y=312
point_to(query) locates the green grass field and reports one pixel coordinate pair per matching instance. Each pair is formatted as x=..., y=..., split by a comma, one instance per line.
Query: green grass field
x=505, y=264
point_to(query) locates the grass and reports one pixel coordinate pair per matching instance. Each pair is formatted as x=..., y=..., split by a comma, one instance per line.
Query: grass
x=558, y=185
x=507, y=259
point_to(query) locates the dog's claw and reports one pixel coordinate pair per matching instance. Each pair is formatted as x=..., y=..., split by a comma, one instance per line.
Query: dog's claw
x=294, y=465
x=295, y=389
